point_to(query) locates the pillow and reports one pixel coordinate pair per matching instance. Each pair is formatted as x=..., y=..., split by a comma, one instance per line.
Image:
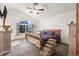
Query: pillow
x=44, y=32
x=57, y=33
x=50, y=33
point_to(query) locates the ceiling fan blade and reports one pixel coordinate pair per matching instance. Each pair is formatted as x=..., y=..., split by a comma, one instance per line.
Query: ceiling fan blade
x=28, y=8
x=41, y=9
x=30, y=11
x=35, y=5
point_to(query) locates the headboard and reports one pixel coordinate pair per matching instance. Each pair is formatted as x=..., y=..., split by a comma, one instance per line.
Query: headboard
x=54, y=30
x=51, y=33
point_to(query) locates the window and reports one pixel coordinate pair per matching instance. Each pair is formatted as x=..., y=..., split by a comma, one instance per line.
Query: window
x=24, y=27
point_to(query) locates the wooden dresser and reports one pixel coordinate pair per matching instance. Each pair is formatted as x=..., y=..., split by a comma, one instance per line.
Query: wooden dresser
x=5, y=42
x=72, y=39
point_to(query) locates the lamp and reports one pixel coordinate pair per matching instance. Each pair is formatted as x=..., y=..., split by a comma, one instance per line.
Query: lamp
x=3, y=17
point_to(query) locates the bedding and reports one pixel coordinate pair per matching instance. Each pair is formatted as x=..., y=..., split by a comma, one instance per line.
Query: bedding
x=45, y=35
x=40, y=39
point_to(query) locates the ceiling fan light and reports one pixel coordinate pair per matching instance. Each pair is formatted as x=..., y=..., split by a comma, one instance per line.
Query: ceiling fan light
x=37, y=12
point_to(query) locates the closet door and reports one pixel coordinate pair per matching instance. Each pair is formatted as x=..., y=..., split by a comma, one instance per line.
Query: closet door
x=72, y=40
x=77, y=31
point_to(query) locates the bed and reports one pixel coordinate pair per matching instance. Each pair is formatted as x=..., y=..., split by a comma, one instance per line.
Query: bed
x=40, y=39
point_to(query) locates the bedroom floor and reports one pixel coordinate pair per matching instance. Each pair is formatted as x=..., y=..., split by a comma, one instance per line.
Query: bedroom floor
x=25, y=48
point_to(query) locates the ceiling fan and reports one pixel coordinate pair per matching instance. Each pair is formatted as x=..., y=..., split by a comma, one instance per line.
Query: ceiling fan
x=36, y=8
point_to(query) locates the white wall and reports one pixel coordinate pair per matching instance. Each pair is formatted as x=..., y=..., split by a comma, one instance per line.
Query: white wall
x=14, y=16
x=59, y=22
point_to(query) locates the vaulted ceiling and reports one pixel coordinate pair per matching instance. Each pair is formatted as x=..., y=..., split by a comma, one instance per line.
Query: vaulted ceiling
x=51, y=9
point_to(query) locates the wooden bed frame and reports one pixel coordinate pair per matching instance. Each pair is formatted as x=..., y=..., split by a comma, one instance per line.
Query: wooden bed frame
x=36, y=39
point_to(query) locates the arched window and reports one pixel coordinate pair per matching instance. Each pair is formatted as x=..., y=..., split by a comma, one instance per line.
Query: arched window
x=24, y=22
x=24, y=27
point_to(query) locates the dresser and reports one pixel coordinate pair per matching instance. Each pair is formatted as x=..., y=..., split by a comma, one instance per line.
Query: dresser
x=72, y=39
x=5, y=42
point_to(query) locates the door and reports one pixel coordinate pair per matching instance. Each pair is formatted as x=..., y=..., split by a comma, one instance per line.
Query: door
x=77, y=31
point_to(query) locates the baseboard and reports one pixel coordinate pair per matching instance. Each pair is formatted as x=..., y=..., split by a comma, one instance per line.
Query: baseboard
x=17, y=39
x=64, y=43
x=2, y=53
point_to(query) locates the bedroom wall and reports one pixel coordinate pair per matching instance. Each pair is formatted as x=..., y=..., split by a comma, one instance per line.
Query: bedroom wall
x=14, y=16
x=60, y=21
